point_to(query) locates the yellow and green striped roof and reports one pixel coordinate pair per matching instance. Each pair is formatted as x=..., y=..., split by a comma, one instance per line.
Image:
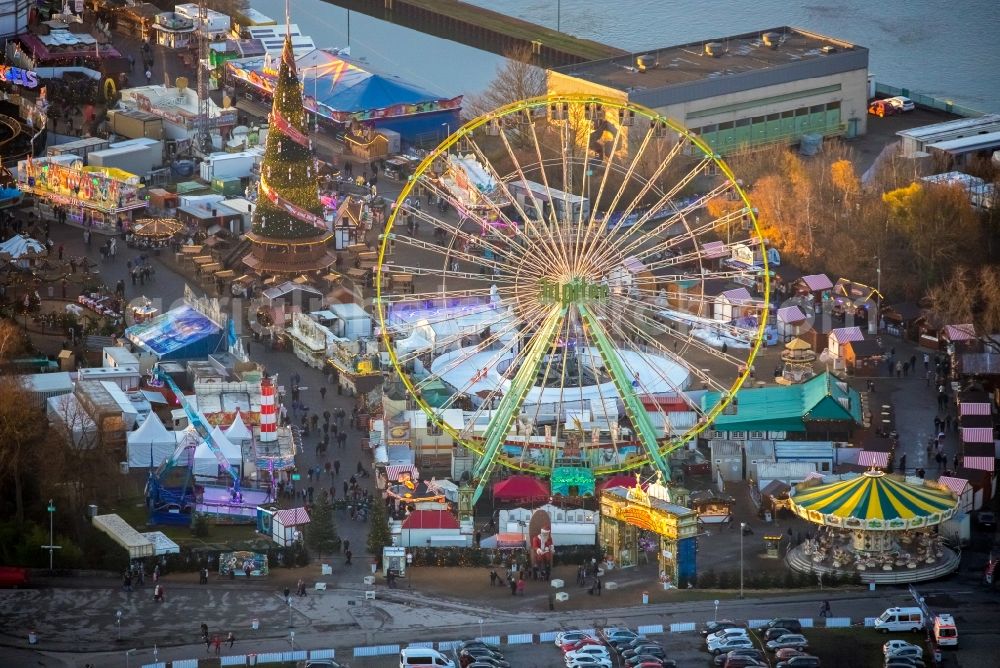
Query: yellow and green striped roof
x=874, y=501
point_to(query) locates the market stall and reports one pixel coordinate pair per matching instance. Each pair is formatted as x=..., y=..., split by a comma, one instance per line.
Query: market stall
x=98, y=199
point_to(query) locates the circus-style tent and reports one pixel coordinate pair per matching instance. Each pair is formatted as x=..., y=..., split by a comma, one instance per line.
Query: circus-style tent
x=520, y=488
x=874, y=501
x=150, y=444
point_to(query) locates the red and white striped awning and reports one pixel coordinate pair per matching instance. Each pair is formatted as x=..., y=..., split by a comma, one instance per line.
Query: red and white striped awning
x=977, y=434
x=714, y=250
x=956, y=485
x=817, y=282
x=789, y=314
x=873, y=458
x=291, y=517
x=979, y=463
x=968, y=408
x=965, y=332
x=846, y=334
x=394, y=472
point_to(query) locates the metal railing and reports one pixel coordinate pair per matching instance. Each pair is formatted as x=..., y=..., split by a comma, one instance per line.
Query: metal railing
x=927, y=101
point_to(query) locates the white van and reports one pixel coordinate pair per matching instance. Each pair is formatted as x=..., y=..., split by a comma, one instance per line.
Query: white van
x=900, y=619
x=945, y=631
x=425, y=658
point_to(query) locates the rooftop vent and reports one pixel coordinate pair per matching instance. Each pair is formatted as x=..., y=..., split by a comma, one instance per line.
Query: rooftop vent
x=646, y=61
x=829, y=48
x=713, y=49
x=772, y=39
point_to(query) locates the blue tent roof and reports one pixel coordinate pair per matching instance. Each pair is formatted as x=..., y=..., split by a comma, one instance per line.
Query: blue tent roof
x=344, y=85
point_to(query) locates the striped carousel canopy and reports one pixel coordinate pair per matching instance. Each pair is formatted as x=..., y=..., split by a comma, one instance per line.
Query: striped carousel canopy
x=874, y=501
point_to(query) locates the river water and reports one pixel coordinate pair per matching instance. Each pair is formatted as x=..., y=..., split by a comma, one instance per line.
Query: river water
x=945, y=49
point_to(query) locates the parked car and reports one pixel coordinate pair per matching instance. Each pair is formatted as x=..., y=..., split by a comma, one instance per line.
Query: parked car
x=489, y=661
x=483, y=655
x=800, y=661
x=987, y=519
x=645, y=650
x=901, y=103
x=589, y=650
x=589, y=662
x=787, y=653
x=574, y=645
x=724, y=634
x=618, y=635
x=718, y=625
x=776, y=632
x=480, y=643
x=793, y=625
x=730, y=644
x=893, y=646
x=793, y=640
x=881, y=108
x=640, y=659
x=744, y=662
x=912, y=651
x=751, y=652
x=625, y=643
x=904, y=662
x=563, y=636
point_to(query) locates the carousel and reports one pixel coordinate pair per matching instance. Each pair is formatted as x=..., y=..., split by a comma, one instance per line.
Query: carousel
x=142, y=310
x=153, y=232
x=878, y=526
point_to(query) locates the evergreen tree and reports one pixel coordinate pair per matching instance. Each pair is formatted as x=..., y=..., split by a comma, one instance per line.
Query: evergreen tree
x=379, y=534
x=288, y=205
x=321, y=534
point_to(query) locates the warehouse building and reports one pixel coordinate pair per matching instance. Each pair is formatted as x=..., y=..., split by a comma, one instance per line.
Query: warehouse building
x=752, y=89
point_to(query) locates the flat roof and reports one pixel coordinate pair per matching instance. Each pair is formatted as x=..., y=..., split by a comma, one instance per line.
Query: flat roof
x=686, y=63
x=967, y=144
x=925, y=132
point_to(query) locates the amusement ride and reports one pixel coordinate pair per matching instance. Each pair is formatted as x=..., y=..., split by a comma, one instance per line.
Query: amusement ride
x=565, y=317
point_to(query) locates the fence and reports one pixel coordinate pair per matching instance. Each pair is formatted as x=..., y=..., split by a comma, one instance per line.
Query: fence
x=927, y=100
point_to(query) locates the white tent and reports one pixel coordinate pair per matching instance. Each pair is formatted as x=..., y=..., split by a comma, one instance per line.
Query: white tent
x=21, y=249
x=150, y=444
x=205, y=461
x=237, y=432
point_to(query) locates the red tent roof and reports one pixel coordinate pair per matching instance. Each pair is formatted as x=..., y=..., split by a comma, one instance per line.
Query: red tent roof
x=430, y=519
x=519, y=487
x=621, y=480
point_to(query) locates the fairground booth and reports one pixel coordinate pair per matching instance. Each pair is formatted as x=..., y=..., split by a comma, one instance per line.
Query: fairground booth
x=180, y=333
x=636, y=522
x=101, y=199
x=338, y=91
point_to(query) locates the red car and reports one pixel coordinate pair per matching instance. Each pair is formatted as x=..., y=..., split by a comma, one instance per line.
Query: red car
x=12, y=576
x=787, y=653
x=577, y=644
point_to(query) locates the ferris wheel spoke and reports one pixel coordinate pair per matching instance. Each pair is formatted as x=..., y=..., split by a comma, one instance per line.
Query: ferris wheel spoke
x=473, y=351
x=698, y=255
x=646, y=187
x=552, y=222
x=445, y=343
x=689, y=340
x=614, y=316
x=392, y=267
x=629, y=172
x=696, y=298
x=456, y=232
x=629, y=241
x=541, y=240
x=404, y=297
x=498, y=266
x=592, y=215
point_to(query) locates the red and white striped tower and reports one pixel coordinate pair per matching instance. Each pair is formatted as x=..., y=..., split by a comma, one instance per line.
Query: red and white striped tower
x=268, y=412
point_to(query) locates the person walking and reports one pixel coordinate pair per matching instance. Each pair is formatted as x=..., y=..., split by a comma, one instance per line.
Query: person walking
x=230, y=639
x=217, y=644
x=149, y=77
x=347, y=557
x=322, y=394
x=824, y=609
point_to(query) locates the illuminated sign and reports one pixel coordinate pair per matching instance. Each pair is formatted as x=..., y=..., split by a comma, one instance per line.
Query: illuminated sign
x=19, y=77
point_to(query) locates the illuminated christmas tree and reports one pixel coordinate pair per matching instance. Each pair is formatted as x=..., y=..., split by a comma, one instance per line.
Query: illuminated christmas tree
x=289, y=233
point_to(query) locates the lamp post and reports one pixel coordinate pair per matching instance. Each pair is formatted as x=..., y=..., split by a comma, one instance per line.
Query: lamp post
x=878, y=292
x=290, y=623
x=558, y=15
x=118, y=623
x=716, y=617
x=743, y=526
x=51, y=547
x=447, y=129
x=128, y=653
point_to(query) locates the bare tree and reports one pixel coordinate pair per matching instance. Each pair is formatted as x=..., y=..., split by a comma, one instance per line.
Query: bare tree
x=517, y=79
x=22, y=427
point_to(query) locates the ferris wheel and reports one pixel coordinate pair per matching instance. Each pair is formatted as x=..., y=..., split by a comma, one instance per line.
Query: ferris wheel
x=554, y=292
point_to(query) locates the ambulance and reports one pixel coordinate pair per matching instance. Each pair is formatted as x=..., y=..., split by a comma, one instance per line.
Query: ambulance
x=945, y=631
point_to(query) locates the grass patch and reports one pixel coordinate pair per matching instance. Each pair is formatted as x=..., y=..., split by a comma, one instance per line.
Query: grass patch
x=133, y=511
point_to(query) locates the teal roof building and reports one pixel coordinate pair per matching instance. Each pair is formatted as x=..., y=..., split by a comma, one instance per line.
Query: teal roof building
x=822, y=403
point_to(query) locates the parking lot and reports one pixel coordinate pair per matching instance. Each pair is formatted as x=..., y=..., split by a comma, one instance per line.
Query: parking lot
x=836, y=648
